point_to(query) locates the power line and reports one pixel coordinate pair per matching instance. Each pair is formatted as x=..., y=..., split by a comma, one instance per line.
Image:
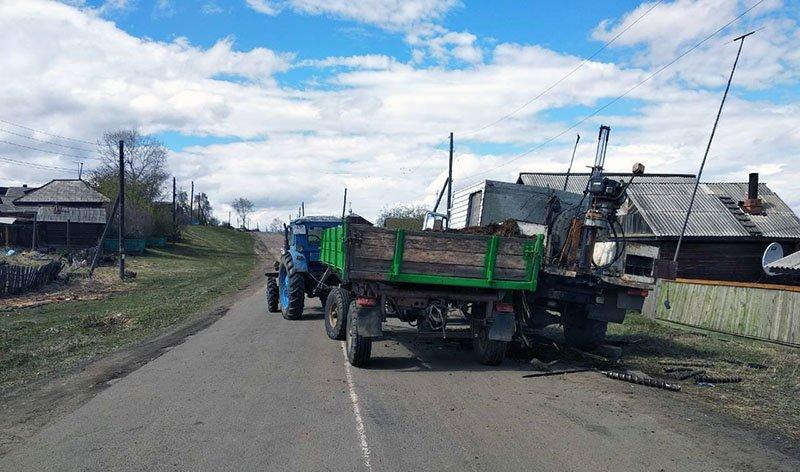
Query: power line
x=47, y=142
x=35, y=165
x=45, y=150
x=46, y=133
x=618, y=98
x=554, y=84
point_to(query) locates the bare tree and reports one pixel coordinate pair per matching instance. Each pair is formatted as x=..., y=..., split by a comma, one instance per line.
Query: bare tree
x=276, y=226
x=145, y=164
x=205, y=213
x=243, y=208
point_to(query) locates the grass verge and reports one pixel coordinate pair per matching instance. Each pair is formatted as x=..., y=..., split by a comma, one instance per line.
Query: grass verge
x=768, y=396
x=171, y=285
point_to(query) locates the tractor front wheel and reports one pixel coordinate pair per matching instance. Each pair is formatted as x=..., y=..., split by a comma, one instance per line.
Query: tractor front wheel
x=272, y=295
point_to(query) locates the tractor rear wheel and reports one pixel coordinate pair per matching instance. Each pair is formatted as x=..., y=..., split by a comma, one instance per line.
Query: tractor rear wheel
x=336, y=307
x=272, y=295
x=292, y=292
x=359, y=348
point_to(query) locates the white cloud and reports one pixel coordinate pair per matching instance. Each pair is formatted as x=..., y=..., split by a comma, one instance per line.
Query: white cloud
x=267, y=7
x=373, y=124
x=389, y=14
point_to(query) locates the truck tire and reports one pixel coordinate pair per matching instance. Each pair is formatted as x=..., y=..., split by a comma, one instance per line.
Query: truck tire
x=582, y=332
x=272, y=295
x=336, y=307
x=292, y=296
x=358, y=348
x=487, y=351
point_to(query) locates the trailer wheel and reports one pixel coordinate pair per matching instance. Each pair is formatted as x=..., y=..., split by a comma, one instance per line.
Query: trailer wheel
x=359, y=348
x=292, y=292
x=487, y=351
x=272, y=295
x=336, y=307
x=582, y=332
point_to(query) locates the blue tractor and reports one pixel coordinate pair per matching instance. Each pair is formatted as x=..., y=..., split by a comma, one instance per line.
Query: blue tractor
x=299, y=271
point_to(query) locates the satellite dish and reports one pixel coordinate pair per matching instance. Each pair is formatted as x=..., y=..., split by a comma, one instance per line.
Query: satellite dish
x=772, y=253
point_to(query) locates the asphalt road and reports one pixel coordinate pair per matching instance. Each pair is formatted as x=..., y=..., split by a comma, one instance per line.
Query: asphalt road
x=257, y=392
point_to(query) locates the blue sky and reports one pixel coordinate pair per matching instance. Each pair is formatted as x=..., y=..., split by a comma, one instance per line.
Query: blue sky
x=267, y=98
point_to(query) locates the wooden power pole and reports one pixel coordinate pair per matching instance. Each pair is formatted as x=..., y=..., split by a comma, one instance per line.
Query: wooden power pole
x=191, y=206
x=122, y=210
x=174, y=211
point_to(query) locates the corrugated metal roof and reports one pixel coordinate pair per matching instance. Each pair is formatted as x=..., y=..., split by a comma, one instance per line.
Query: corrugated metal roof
x=52, y=214
x=63, y=191
x=577, y=181
x=663, y=207
x=790, y=262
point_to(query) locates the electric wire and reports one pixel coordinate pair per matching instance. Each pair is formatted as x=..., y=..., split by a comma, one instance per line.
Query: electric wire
x=46, y=133
x=563, y=78
x=51, y=143
x=616, y=99
x=35, y=165
x=46, y=151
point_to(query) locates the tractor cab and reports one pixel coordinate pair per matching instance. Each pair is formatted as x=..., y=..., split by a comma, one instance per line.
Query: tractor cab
x=302, y=239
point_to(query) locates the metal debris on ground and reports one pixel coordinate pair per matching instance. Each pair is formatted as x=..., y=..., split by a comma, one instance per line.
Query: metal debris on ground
x=642, y=380
x=556, y=372
x=687, y=363
x=715, y=379
x=685, y=374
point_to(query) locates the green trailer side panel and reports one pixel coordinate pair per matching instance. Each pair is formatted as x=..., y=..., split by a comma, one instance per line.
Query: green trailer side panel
x=333, y=253
x=332, y=249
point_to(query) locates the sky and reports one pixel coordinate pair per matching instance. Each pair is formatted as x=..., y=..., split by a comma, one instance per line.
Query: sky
x=283, y=101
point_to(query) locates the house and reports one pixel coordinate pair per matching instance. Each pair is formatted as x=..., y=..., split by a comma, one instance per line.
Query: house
x=63, y=212
x=729, y=229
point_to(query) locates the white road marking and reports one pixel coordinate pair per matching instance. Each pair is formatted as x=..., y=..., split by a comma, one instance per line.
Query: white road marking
x=362, y=436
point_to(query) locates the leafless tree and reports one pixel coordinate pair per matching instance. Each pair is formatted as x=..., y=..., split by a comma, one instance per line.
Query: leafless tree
x=243, y=208
x=145, y=164
x=276, y=226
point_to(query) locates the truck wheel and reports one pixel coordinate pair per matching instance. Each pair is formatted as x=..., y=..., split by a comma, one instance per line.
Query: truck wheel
x=336, y=314
x=487, y=351
x=272, y=295
x=584, y=333
x=359, y=348
x=292, y=293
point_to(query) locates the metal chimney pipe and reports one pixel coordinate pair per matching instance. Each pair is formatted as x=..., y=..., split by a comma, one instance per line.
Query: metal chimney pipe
x=752, y=186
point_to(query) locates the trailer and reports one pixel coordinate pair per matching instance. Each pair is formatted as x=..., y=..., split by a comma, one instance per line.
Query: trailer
x=421, y=277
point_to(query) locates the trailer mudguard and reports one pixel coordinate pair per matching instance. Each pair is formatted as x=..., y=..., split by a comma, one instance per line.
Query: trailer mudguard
x=502, y=327
x=369, y=322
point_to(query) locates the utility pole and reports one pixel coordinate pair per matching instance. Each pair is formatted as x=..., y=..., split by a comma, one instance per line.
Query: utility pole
x=569, y=169
x=33, y=238
x=708, y=148
x=174, y=211
x=191, y=206
x=229, y=218
x=80, y=171
x=121, y=210
x=303, y=208
x=68, y=222
x=344, y=203
x=450, y=182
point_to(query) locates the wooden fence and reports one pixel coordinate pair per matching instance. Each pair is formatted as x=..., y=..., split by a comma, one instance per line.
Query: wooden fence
x=16, y=279
x=759, y=311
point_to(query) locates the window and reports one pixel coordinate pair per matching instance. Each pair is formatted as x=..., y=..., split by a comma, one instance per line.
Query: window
x=474, y=208
x=315, y=235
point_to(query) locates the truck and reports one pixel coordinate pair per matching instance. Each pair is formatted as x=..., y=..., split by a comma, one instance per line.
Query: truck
x=567, y=262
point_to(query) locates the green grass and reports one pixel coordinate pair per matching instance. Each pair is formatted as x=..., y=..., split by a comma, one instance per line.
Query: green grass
x=171, y=285
x=769, y=395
